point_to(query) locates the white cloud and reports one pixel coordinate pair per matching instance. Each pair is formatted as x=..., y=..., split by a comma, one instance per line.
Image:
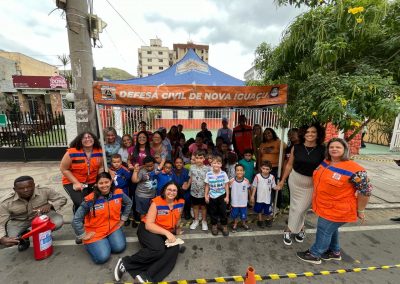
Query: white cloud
x=232, y=28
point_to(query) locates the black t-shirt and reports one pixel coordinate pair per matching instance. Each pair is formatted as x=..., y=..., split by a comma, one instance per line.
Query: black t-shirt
x=307, y=159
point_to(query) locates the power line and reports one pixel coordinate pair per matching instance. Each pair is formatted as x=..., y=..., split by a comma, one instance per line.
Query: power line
x=126, y=22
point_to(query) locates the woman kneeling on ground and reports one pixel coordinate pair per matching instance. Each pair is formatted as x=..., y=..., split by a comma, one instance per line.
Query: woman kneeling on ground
x=98, y=220
x=341, y=193
x=154, y=261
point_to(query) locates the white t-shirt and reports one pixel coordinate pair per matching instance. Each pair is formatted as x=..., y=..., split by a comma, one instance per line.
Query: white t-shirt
x=264, y=187
x=239, y=192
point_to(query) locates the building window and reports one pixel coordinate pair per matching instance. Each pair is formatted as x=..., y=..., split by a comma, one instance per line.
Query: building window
x=175, y=114
x=190, y=114
x=149, y=67
x=149, y=52
x=160, y=68
x=160, y=60
x=160, y=53
x=149, y=59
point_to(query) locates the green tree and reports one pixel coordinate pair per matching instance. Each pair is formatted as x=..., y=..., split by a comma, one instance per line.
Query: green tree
x=341, y=61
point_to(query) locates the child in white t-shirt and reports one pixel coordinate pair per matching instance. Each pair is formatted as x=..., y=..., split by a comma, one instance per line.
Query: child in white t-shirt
x=240, y=187
x=263, y=184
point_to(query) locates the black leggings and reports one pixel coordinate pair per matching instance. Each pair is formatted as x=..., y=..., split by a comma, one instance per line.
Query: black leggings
x=154, y=260
x=77, y=195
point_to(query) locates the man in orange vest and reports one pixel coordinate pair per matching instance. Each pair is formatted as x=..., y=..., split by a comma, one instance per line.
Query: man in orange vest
x=242, y=137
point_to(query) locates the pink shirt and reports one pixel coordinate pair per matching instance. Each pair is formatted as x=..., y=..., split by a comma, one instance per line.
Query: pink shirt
x=139, y=159
x=193, y=147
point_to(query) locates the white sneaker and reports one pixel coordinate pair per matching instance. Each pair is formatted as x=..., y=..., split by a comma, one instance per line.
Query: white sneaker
x=204, y=226
x=194, y=225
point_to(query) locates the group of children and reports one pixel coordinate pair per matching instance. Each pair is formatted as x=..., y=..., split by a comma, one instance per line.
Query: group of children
x=207, y=188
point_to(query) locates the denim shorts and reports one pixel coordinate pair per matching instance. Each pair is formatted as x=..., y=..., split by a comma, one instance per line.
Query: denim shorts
x=263, y=208
x=142, y=204
x=239, y=212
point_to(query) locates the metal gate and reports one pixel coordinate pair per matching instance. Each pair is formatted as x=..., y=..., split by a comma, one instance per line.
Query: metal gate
x=395, y=141
x=126, y=119
x=28, y=137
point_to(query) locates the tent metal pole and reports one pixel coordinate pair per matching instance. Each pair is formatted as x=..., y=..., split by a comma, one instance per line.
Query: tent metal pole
x=279, y=165
x=101, y=134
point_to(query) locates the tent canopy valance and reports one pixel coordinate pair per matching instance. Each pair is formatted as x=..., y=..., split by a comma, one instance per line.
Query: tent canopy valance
x=191, y=82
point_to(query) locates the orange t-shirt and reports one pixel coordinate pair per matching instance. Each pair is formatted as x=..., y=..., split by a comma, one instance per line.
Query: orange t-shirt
x=269, y=151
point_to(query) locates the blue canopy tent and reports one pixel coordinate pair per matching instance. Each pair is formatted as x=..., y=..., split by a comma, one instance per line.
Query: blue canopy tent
x=190, y=70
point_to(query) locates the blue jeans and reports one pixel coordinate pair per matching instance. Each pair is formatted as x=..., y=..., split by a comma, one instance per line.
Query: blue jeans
x=101, y=250
x=327, y=237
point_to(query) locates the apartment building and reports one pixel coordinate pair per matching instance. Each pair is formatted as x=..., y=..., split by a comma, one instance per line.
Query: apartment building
x=180, y=49
x=153, y=59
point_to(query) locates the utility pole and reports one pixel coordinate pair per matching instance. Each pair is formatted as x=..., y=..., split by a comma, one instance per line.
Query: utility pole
x=80, y=49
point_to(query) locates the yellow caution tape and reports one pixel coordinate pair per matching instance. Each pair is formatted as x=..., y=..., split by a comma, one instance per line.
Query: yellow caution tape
x=273, y=276
x=372, y=159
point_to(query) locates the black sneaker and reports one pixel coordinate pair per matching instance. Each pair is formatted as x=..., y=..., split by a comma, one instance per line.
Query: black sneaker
x=78, y=241
x=127, y=223
x=300, y=236
x=134, y=224
x=268, y=222
x=260, y=224
x=330, y=255
x=287, y=240
x=119, y=270
x=23, y=244
x=308, y=257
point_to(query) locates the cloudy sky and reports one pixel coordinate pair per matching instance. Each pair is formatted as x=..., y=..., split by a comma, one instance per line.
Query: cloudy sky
x=232, y=28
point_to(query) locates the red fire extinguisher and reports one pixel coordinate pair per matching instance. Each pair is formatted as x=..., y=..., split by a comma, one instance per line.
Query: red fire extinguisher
x=41, y=235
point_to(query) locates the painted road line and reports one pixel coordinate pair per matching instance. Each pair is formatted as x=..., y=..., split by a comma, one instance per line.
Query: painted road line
x=373, y=159
x=252, y=234
x=276, y=276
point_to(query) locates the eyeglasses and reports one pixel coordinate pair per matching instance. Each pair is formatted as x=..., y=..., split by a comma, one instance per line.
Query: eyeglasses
x=171, y=190
x=87, y=138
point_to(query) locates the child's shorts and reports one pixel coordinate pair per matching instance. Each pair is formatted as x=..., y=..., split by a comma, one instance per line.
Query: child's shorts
x=197, y=201
x=239, y=212
x=263, y=208
x=142, y=204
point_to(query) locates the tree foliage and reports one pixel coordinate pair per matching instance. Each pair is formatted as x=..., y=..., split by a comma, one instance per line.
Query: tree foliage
x=341, y=60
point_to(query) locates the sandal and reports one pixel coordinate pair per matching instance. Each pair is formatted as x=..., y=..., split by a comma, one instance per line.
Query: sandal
x=234, y=229
x=214, y=230
x=245, y=227
x=225, y=231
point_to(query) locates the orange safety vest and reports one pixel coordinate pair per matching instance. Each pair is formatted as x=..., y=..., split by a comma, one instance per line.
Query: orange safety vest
x=167, y=218
x=334, y=195
x=108, y=215
x=243, y=137
x=84, y=170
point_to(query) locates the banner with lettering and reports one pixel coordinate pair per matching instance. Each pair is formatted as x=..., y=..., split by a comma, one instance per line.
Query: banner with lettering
x=107, y=93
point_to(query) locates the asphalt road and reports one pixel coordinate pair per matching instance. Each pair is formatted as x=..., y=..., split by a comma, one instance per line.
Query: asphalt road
x=373, y=244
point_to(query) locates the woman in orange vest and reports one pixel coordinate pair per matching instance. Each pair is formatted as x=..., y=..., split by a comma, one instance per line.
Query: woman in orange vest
x=99, y=219
x=341, y=193
x=154, y=261
x=80, y=167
